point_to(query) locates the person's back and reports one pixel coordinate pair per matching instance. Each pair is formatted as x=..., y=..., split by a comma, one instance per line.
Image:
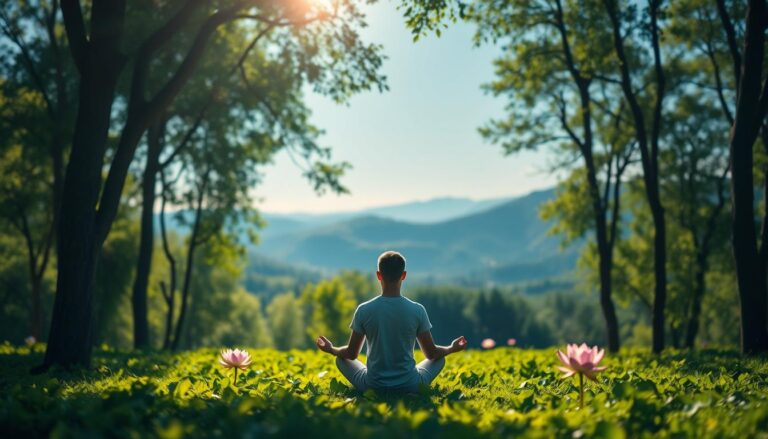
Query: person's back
x=392, y=324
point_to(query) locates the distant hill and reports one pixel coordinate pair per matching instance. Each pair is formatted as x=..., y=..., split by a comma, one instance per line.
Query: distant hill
x=505, y=240
x=419, y=212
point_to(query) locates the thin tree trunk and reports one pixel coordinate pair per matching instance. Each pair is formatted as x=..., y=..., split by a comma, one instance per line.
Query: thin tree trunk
x=698, y=294
x=660, y=272
x=649, y=158
x=193, y=242
x=599, y=209
x=147, y=239
x=170, y=292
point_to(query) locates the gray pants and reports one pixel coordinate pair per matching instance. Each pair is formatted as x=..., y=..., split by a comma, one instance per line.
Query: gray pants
x=356, y=373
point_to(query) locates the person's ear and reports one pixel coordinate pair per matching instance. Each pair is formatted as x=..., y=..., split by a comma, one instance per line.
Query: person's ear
x=402, y=277
x=378, y=275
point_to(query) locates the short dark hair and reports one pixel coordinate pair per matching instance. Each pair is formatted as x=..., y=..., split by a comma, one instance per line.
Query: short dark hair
x=391, y=265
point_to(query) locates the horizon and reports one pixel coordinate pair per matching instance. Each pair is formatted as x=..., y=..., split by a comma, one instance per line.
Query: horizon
x=406, y=202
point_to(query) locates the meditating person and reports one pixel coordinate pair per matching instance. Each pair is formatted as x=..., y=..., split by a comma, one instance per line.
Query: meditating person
x=391, y=323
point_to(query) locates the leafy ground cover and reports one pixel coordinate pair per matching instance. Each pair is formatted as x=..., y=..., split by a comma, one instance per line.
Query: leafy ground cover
x=498, y=393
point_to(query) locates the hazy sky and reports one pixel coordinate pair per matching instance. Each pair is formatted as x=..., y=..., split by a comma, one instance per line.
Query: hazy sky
x=417, y=141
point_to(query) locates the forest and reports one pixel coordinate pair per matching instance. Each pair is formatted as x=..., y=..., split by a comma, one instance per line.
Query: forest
x=133, y=134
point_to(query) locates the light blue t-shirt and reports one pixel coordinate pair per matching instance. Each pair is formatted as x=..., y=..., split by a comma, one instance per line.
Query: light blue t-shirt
x=390, y=326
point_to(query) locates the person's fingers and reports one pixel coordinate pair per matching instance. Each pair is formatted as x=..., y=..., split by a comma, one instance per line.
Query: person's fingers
x=325, y=339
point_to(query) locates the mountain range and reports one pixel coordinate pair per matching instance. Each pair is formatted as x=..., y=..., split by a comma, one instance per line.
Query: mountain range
x=417, y=212
x=502, y=239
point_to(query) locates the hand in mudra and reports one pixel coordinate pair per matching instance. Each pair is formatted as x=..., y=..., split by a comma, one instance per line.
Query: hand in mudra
x=459, y=344
x=324, y=344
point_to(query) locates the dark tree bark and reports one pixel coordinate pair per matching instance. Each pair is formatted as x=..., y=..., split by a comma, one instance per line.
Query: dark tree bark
x=699, y=287
x=751, y=103
x=649, y=147
x=750, y=111
x=169, y=291
x=99, y=62
x=147, y=238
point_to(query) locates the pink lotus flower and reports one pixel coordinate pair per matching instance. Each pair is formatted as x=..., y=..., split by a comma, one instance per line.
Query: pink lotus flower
x=235, y=359
x=582, y=361
x=488, y=343
x=511, y=342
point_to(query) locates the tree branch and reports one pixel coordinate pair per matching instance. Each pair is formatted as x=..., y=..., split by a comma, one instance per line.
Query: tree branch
x=206, y=106
x=719, y=84
x=75, y=28
x=733, y=45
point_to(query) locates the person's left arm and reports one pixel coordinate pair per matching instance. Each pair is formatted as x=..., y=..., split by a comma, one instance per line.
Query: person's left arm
x=349, y=352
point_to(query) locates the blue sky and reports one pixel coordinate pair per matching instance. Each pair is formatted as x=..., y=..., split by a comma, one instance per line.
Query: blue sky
x=417, y=141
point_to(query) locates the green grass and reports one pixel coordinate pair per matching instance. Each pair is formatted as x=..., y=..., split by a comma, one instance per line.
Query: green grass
x=499, y=393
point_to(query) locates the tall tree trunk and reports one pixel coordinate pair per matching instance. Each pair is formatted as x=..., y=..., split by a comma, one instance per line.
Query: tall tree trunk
x=750, y=271
x=146, y=240
x=648, y=146
x=99, y=62
x=659, y=269
x=599, y=209
x=698, y=294
x=606, y=303
x=185, y=290
x=36, y=321
x=187, y=285
x=69, y=340
x=169, y=291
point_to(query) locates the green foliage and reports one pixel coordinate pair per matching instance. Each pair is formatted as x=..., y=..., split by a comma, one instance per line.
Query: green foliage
x=114, y=276
x=330, y=305
x=220, y=311
x=500, y=393
x=285, y=315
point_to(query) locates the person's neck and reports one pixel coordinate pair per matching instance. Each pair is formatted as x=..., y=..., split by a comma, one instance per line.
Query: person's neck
x=393, y=291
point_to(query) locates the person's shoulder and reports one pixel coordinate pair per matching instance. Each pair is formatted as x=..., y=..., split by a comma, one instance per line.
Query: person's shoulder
x=414, y=304
x=367, y=304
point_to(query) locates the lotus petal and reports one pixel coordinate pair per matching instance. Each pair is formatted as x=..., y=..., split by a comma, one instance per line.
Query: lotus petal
x=598, y=356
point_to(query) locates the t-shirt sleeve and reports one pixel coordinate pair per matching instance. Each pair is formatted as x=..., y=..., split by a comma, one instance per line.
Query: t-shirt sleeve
x=424, y=323
x=357, y=322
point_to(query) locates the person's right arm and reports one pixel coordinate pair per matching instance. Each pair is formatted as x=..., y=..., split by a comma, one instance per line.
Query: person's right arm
x=434, y=352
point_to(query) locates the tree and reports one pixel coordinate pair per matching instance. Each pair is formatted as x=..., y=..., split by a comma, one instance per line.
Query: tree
x=32, y=32
x=256, y=91
x=646, y=135
x=285, y=315
x=330, y=306
x=87, y=208
x=25, y=202
x=750, y=254
x=554, y=62
x=36, y=79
